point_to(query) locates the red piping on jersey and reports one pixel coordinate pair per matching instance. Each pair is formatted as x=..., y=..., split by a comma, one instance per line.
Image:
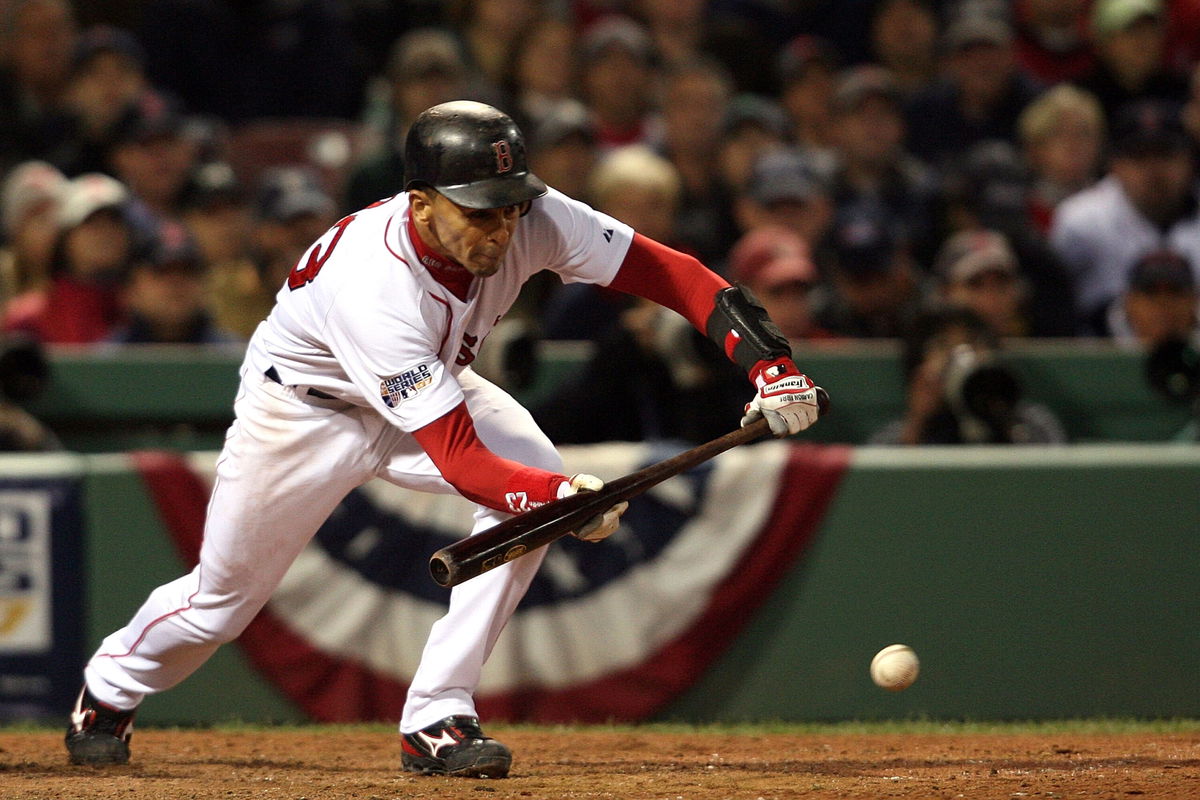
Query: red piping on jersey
x=476, y=472
x=449, y=321
x=670, y=278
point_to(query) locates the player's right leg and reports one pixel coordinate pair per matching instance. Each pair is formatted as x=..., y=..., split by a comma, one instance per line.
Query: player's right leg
x=287, y=462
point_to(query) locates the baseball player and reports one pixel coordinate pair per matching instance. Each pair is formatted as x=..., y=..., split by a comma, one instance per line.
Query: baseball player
x=362, y=370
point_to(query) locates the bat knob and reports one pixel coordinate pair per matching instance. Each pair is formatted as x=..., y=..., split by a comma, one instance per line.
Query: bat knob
x=822, y=401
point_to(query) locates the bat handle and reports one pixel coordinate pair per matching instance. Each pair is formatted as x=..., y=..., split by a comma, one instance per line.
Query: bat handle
x=822, y=402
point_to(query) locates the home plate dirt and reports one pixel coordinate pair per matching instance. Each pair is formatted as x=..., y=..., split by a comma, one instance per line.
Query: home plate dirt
x=668, y=763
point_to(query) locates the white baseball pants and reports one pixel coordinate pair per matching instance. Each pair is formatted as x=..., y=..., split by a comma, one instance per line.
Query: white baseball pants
x=288, y=460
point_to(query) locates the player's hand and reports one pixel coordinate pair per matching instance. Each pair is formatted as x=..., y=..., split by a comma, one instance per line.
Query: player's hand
x=786, y=397
x=600, y=526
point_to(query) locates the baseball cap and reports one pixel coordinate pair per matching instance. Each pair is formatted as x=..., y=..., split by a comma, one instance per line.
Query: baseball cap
x=107, y=39
x=149, y=117
x=621, y=33
x=1147, y=128
x=173, y=246
x=974, y=29
x=27, y=185
x=285, y=193
x=87, y=194
x=1162, y=269
x=857, y=84
x=802, y=52
x=970, y=253
x=780, y=176
x=863, y=244
x=424, y=52
x=564, y=120
x=211, y=185
x=1111, y=16
x=771, y=256
x=751, y=110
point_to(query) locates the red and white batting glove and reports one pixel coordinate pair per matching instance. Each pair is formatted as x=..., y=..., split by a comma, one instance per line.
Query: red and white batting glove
x=600, y=526
x=786, y=397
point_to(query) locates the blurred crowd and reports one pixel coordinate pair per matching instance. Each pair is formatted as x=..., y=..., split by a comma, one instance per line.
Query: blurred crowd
x=861, y=165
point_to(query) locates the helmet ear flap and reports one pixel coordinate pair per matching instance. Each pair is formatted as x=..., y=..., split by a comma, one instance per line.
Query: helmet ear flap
x=471, y=153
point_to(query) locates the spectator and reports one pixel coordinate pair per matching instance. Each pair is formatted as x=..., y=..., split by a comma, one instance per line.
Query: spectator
x=29, y=203
x=490, y=31
x=696, y=95
x=753, y=125
x=1130, y=40
x=562, y=150
x=425, y=68
x=543, y=71
x=678, y=28
x=617, y=76
x=1052, y=40
x=163, y=294
x=1159, y=303
x=152, y=155
x=241, y=61
x=24, y=375
x=980, y=98
x=216, y=210
x=292, y=211
x=94, y=247
x=904, y=42
x=875, y=290
x=38, y=39
x=873, y=170
x=806, y=67
x=1191, y=110
x=107, y=77
x=990, y=189
x=1147, y=201
x=978, y=270
x=776, y=265
x=1062, y=138
x=959, y=391
x=784, y=190
x=642, y=189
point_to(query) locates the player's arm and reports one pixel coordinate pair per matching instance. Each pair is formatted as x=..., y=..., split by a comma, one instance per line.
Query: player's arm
x=480, y=475
x=734, y=319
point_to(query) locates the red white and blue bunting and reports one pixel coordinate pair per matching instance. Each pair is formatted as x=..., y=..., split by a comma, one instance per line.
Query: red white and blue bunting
x=608, y=631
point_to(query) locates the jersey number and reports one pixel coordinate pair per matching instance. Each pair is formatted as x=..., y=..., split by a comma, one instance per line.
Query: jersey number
x=303, y=275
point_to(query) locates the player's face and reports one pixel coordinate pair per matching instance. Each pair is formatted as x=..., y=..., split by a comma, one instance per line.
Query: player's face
x=476, y=238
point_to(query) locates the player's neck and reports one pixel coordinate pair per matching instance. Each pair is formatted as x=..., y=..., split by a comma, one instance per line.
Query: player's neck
x=446, y=271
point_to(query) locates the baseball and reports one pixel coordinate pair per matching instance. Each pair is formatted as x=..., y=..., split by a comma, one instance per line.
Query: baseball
x=895, y=667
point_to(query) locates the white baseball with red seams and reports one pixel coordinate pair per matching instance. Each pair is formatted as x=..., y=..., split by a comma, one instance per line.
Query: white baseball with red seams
x=363, y=322
x=895, y=667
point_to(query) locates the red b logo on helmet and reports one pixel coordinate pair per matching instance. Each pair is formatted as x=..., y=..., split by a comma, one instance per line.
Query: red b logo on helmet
x=504, y=161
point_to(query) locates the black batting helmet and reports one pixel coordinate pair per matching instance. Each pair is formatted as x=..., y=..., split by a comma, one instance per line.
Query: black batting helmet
x=471, y=153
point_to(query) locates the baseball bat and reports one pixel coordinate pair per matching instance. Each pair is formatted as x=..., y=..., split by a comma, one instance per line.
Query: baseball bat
x=538, y=527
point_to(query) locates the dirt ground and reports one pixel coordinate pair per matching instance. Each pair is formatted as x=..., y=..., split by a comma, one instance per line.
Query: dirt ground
x=333, y=764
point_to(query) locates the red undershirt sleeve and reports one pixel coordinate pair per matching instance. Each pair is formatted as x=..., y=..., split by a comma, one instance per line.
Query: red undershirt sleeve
x=479, y=474
x=670, y=278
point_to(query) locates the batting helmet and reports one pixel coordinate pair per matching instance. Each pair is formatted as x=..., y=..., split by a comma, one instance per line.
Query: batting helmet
x=471, y=153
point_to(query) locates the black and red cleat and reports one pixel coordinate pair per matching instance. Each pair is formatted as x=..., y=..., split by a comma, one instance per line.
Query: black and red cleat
x=454, y=746
x=98, y=733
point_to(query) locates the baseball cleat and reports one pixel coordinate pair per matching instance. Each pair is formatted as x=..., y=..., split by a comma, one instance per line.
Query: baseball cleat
x=454, y=746
x=98, y=733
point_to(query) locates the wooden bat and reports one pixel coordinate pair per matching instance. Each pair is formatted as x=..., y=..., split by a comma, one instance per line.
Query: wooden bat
x=515, y=537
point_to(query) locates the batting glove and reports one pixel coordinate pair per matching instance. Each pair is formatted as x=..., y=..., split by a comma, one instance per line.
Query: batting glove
x=786, y=397
x=600, y=526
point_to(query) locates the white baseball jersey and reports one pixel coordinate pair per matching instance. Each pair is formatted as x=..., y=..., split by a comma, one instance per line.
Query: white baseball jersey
x=362, y=318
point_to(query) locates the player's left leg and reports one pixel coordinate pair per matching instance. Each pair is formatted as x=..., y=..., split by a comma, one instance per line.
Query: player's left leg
x=442, y=691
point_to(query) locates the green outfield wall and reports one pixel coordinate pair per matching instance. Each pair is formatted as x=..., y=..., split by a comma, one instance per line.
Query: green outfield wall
x=136, y=397
x=1033, y=583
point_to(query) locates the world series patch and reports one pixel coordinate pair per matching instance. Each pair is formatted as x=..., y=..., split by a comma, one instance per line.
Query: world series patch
x=406, y=385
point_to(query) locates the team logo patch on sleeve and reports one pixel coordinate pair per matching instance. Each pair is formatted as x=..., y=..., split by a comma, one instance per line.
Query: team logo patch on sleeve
x=398, y=388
